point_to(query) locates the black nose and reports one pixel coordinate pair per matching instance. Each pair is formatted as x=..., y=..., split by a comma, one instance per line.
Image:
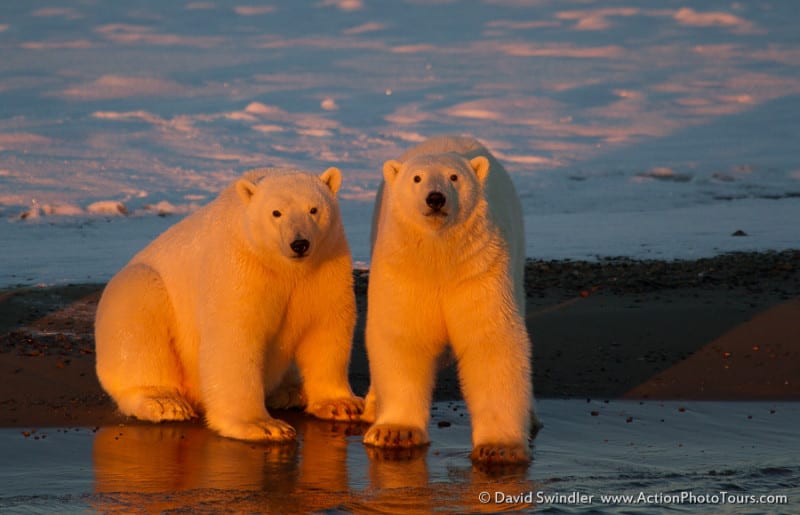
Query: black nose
x=300, y=247
x=435, y=200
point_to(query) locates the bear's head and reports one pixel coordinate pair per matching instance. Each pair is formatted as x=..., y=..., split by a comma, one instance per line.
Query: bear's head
x=291, y=214
x=437, y=191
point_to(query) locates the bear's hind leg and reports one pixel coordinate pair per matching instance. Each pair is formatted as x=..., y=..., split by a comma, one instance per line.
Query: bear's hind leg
x=289, y=392
x=137, y=363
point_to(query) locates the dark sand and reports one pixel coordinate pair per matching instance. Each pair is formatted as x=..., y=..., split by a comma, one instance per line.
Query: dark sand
x=723, y=328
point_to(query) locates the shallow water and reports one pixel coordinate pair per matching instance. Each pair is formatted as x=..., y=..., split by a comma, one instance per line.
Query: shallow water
x=677, y=456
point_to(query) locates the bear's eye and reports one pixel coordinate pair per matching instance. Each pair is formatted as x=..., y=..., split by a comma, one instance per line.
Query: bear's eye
x=276, y=214
x=417, y=178
x=313, y=211
x=454, y=177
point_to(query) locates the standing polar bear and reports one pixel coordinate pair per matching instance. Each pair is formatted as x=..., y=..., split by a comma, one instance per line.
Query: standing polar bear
x=448, y=266
x=211, y=315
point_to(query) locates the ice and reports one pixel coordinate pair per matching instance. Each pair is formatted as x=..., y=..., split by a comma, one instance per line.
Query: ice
x=629, y=128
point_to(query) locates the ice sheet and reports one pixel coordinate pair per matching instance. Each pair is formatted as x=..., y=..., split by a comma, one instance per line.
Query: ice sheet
x=629, y=128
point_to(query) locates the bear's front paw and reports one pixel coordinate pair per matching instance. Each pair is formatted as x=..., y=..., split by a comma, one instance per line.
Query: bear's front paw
x=349, y=408
x=269, y=430
x=500, y=454
x=395, y=436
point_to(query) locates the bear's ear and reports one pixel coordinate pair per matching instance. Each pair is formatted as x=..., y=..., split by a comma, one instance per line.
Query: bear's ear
x=245, y=189
x=480, y=165
x=390, y=170
x=332, y=177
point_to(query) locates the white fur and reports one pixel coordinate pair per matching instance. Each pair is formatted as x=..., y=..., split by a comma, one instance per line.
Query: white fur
x=454, y=278
x=209, y=317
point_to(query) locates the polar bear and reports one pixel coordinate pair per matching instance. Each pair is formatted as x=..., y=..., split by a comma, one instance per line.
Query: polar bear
x=211, y=315
x=448, y=267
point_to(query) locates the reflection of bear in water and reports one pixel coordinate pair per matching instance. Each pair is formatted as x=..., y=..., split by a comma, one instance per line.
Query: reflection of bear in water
x=447, y=266
x=211, y=315
x=178, y=466
x=155, y=468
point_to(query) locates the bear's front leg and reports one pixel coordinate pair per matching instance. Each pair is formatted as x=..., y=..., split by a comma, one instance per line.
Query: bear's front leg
x=493, y=352
x=402, y=370
x=323, y=358
x=232, y=367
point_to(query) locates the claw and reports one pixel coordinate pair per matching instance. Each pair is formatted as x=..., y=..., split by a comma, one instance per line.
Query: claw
x=500, y=454
x=387, y=435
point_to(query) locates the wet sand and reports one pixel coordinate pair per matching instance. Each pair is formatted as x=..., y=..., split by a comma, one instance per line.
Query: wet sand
x=726, y=328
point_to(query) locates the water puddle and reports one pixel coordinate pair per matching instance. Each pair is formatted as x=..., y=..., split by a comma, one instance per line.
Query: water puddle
x=691, y=456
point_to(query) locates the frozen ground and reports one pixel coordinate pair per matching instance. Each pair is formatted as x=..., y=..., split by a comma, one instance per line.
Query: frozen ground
x=630, y=128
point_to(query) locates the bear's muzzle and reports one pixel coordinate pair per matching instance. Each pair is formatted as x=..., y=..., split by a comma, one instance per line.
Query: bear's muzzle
x=436, y=200
x=300, y=246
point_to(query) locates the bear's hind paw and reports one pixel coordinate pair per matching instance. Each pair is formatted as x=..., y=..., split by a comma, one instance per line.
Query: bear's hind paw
x=395, y=436
x=349, y=408
x=158, y=408
x=287, y=398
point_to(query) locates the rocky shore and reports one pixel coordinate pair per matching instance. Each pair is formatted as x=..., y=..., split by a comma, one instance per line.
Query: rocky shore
x=719, y=328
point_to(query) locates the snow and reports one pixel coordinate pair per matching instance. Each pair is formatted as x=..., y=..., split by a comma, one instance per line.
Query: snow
x=630, y=128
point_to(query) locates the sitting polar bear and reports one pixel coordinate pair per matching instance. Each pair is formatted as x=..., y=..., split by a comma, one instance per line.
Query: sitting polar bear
x=209, y=317
x=447, y=266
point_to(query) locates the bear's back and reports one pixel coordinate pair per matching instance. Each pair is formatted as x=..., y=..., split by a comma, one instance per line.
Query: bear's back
x=463, y=145
x=189, y=236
